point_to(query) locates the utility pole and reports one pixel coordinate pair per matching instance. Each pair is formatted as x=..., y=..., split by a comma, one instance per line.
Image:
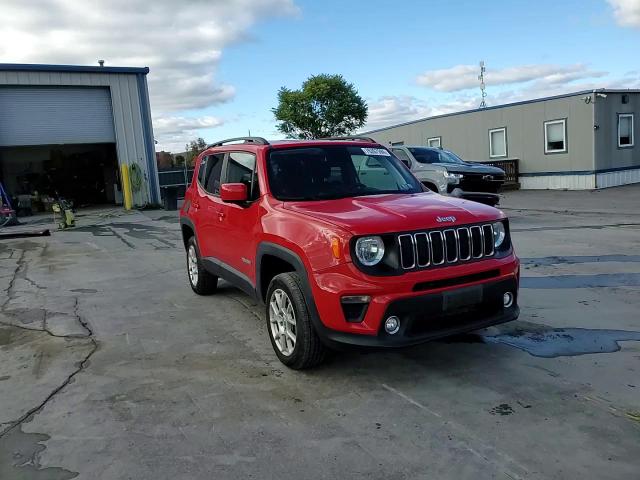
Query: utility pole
x=483, y=91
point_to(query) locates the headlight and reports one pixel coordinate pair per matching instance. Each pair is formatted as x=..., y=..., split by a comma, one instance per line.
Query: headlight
x=369, y=250
x=457, y=176
x=499, y=234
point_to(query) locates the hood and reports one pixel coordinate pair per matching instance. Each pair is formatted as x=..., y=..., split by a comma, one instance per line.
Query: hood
x=470, y=167
x=395, y=213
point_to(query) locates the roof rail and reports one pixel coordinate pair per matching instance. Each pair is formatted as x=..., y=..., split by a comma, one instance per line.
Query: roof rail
x=254, y=140
x=351, y=137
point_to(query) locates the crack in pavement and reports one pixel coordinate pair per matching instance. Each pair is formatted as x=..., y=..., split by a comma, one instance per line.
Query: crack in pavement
x=80, y=366
x=14, y=276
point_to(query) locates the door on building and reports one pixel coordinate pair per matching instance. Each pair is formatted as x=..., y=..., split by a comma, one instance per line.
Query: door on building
x=58, y=141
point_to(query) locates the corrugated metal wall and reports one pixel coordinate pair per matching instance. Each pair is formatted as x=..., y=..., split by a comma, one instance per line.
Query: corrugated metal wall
x=134, y=140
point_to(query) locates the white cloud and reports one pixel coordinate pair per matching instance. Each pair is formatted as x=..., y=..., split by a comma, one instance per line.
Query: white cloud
x=182, y=43
x=391, y=110
x=175, y=132
x=626, y=12
x=463, y=77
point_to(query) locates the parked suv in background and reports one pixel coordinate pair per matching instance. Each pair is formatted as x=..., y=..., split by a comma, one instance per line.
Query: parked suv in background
x=344, y=246
x=444, y=172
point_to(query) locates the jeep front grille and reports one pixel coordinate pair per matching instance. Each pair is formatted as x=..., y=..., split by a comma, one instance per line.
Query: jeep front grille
x=439, y=247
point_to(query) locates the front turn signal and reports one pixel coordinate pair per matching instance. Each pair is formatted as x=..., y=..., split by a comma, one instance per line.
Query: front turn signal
x=335, y=248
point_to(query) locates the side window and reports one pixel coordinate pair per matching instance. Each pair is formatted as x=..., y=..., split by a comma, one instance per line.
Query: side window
x=241, y=168
x=201, y=171
x=214, y=170
x=402, y=156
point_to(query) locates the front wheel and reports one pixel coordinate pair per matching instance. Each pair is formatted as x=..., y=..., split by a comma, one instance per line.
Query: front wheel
x=289, y=324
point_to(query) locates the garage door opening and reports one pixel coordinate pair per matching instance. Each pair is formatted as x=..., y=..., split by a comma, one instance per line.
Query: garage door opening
x=87, y=175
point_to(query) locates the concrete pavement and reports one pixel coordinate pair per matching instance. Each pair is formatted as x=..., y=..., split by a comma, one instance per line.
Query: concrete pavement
x=111, y=368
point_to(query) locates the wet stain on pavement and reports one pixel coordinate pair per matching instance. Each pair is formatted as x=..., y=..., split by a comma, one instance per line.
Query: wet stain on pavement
x=570, y=260
x=5, y=336
x=564, y=342
x=502, y=409
x=582, y=281
x=138, y=231
x=19, y=458
x=84, y=290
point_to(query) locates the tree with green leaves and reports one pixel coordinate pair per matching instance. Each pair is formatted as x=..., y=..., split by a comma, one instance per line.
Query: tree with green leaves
x=325, y=106
x=193, y=149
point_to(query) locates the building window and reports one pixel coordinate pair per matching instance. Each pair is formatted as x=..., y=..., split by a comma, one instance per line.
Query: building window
x=555, y=136
x=498, y=142
x=625, y=130
x=435, y=142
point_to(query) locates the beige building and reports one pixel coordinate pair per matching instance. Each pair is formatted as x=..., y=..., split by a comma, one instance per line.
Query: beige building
x=582, y=140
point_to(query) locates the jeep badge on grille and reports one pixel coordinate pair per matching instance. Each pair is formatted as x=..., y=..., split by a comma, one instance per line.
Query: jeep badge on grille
x=446, y=219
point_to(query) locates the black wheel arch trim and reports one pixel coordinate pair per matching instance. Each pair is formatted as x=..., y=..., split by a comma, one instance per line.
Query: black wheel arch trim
x=291, y=257
x=187, y=222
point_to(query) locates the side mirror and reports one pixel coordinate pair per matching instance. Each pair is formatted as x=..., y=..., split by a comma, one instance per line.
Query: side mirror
x=233, y=192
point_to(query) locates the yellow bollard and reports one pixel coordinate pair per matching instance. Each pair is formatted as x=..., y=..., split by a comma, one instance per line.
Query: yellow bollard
x=126, y=186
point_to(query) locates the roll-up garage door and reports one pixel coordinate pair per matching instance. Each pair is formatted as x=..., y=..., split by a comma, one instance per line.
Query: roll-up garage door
x=55, y=115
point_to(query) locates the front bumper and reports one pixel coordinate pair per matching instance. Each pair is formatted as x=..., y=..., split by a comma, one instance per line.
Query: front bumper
x=475, y=184
x=485, y=198
x=424, y=314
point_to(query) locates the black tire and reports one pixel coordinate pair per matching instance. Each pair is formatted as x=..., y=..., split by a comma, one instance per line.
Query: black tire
x=205, y=284
x=308, y=351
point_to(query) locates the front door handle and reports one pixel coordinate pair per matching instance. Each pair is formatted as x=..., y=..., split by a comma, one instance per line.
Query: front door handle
x=221, y=216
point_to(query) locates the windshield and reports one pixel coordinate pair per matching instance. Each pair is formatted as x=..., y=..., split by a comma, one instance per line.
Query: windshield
x=434, y=155
x=334, y=171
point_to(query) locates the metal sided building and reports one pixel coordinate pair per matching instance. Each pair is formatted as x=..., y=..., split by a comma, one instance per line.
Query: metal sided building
x=582, y=140
x=68, y=129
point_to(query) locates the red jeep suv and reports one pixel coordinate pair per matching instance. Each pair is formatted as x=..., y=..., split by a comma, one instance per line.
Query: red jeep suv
x=343, y=246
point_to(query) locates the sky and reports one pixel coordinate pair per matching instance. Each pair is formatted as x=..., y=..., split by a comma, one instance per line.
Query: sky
x=216, y=65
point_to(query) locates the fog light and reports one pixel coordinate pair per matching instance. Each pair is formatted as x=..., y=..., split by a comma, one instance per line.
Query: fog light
x=392, y=325
x=507, y=299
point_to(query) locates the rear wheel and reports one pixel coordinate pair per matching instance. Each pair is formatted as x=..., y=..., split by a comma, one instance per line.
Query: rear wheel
x=201, y=281
x=289, y=324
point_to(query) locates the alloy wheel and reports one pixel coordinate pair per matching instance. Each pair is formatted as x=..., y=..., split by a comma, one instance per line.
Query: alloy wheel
x=282, y=318
x=192, y=265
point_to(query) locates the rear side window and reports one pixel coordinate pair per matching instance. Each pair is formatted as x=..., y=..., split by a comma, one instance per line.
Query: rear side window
x=423, y=155
x=213, y=173
x=201, y=170
x=241, y=167
x=401, y=154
